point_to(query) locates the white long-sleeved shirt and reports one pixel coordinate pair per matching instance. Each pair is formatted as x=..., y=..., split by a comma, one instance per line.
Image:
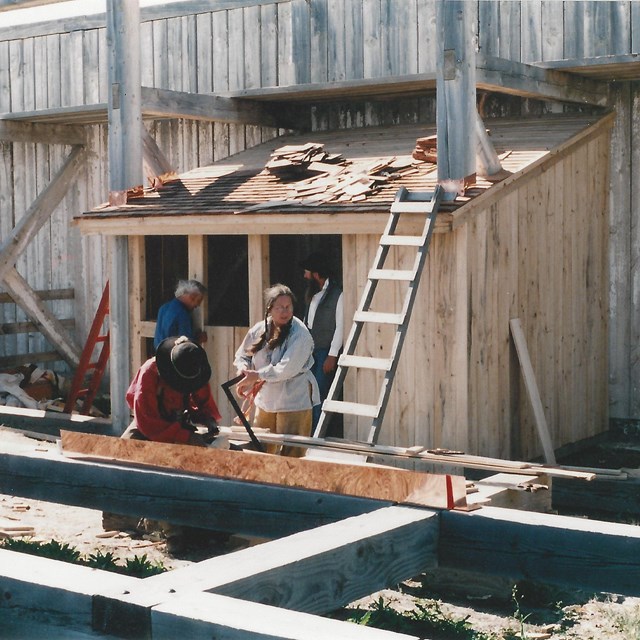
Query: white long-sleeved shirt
x=286, y=370
x=338, y=334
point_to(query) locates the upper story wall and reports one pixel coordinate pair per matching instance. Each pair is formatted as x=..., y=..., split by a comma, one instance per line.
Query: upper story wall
x=284, y=42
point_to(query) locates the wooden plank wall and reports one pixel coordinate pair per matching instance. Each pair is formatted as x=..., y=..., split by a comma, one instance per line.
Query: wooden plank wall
x=285, y=43
x=540, y=253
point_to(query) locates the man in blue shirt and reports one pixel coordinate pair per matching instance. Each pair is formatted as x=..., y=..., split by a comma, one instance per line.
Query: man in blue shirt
x=175, y=316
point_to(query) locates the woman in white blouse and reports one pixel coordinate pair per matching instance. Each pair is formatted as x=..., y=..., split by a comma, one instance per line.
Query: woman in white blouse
x=275, y=359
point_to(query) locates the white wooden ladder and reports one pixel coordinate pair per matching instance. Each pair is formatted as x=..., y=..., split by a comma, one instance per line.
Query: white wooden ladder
x=406, y=202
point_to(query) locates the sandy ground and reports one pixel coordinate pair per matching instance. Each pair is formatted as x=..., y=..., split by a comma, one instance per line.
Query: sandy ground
x=487, y=607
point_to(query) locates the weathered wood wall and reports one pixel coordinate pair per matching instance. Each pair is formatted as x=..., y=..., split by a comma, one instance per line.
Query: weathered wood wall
x=537, y=252
x=278, y=43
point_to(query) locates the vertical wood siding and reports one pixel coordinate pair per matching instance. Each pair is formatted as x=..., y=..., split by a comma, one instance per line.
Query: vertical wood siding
x=539, y=254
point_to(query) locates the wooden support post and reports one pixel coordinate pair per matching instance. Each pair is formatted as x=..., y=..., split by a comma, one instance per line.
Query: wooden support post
x=487, y=161
x=532, y=389
x=125, y=171
x=137, y=299
x=258, y=249
x=197, y=252
x=456, y=93
x=154, y=161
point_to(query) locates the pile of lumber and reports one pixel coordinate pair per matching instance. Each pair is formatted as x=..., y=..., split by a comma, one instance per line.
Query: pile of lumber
x=324, y=177
x=426, y=149
x=292, y=161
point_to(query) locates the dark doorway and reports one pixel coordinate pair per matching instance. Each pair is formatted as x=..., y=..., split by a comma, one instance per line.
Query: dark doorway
x=166, y=262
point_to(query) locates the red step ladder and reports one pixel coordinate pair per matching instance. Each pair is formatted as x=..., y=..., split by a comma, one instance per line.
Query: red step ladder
x=78, y=388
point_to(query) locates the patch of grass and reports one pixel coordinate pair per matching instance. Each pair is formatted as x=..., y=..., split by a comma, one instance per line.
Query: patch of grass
x=138, y=566
x=427, y=618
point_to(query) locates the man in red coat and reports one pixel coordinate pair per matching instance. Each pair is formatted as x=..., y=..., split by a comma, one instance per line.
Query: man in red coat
x=170, y=394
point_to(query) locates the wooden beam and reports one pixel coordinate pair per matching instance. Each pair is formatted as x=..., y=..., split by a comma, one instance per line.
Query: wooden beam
x=526, y=80
x=585, y=554
x=258, y=266
x=154, y=161
x=47, y=323
x=125, y=172
x=29, y=327
x=44, y=586
x=266, y=511
x=41, y=133
x=609, y=495
x=232, y=224
x=40, y=211
x=616, y=67
x=365, y=481
x=165, y=103
x=44, y=294
x=206, y=615
x=418, y=83
x=328, y=567
x=456, y=96
x=531, y=386
x=50, y=422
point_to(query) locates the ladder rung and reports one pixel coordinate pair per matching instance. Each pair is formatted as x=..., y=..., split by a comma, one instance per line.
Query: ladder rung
x=102, y=338
x=380, y=318
x=402, y=241
x=403, y=206
x=365, y=362
x=351, y=408
x=391, y=274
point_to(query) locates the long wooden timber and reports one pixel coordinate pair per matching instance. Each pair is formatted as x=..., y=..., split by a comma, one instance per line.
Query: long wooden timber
x=417, y=454
x=159, y=104
x=366, y=481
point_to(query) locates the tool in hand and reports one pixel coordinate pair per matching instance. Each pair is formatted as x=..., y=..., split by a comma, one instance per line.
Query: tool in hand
x=226, y=386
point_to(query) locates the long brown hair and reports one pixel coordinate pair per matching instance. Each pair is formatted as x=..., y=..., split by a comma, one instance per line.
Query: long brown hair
x=272, y=335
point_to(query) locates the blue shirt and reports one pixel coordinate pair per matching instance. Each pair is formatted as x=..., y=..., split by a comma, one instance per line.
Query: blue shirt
x=174, y=319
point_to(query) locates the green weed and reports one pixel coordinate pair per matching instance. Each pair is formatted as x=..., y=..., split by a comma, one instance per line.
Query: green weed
x=424, y=619
x=138, y=566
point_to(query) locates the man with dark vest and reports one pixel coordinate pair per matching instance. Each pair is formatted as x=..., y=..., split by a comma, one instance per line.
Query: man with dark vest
x=324, y=316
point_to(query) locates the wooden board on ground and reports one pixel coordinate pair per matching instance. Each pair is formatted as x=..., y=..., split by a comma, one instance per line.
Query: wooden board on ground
x=373, y=481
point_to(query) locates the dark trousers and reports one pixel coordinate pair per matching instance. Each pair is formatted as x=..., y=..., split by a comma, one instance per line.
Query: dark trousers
x=323, y=380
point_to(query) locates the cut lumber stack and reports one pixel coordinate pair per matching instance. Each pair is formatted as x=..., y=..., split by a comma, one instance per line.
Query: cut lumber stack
x=291, y=161
x=426, y=149
x=318, y=177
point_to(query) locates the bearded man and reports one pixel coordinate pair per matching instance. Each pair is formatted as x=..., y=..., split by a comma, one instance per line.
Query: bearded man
x=324, y=316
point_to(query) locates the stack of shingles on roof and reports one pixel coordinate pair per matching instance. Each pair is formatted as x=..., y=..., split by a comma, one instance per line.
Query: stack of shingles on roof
x=317, y=177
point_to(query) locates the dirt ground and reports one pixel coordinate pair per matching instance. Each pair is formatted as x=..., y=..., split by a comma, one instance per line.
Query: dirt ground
x=488, y=606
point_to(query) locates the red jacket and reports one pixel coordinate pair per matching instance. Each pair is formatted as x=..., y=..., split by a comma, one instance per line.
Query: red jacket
x=157, y=408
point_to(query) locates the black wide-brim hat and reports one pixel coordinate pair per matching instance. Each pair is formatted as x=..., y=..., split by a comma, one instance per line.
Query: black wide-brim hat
x=182, y=364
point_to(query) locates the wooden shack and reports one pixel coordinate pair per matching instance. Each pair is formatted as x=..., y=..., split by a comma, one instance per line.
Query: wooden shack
x=532, y=246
